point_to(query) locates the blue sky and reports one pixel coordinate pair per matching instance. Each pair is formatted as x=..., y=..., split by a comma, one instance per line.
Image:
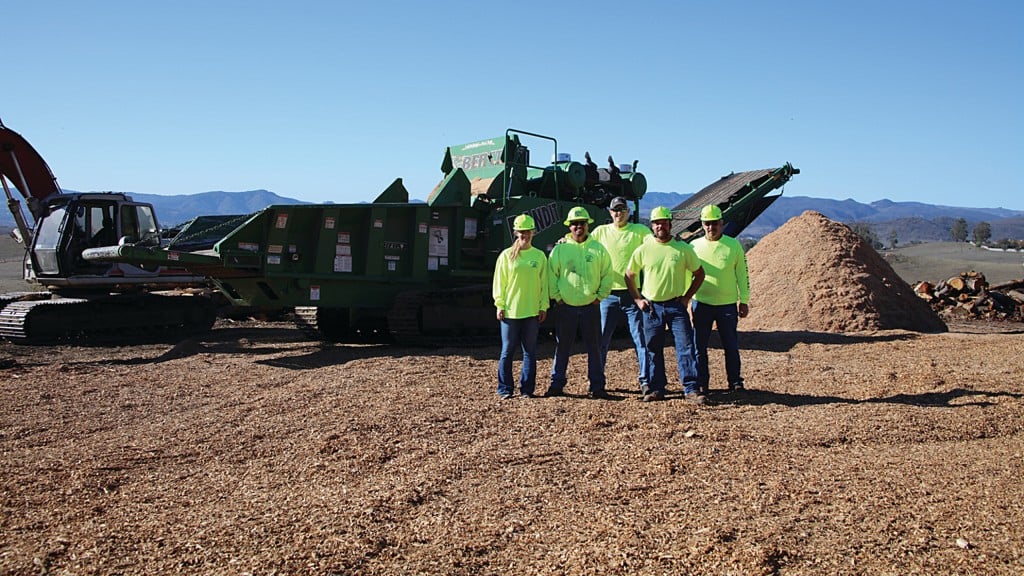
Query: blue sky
x=330, y=101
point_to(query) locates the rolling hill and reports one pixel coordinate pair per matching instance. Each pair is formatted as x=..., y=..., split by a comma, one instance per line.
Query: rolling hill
x=913, y=221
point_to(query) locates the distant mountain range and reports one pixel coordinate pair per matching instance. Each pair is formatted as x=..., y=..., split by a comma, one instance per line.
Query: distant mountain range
x=174, y=210
x=913, y=221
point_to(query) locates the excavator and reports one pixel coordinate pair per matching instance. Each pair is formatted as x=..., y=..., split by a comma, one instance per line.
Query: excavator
x=76, y=300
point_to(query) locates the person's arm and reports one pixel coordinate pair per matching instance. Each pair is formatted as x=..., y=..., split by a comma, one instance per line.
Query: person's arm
x=698, y=279
x=607, y=278
x=743, y=280
x=630, y=278
x=553, y=270
x=498, y=287
x=544, y=300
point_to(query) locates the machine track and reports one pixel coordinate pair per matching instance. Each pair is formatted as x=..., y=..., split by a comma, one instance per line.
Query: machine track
x=306, y=321
x=109, y=319
x=456, y=317
x=336, y=325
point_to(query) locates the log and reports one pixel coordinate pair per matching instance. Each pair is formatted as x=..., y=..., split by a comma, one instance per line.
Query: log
x=1002, y=302
x=971, y=306
x=1011, y=285
x=1016, y=295
x=975, y=283
x=956, y=283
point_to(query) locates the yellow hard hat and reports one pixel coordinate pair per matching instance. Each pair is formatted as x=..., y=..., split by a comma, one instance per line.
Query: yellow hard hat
x=710, y=213
x=578, y=213
x=523, y=222
x=661, y=213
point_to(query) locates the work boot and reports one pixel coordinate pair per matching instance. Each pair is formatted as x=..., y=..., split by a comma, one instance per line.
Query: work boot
x=654, y=396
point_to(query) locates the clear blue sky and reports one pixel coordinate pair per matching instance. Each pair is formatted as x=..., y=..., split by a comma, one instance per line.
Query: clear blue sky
x=330, y=101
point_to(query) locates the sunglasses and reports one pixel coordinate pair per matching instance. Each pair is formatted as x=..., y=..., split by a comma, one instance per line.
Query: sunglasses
x=619, y=209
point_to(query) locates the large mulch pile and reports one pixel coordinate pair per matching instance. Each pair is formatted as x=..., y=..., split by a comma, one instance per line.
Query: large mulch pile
x=818, y=275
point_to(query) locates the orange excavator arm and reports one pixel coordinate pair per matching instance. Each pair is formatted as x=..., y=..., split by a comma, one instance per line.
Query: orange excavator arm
x=23, y=167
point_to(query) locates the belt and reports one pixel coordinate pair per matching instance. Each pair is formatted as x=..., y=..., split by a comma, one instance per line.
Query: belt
x=664, y=301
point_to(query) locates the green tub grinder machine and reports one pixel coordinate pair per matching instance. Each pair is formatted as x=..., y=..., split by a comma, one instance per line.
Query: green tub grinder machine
x=410, y=272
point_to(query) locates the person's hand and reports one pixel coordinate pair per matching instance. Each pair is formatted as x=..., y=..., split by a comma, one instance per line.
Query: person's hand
x=642, y=303
x=543, y=316
x=501, y=314
x=744, y=310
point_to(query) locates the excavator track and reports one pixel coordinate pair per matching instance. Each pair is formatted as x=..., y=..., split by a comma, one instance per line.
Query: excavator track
x=8, y=297
x=104, y=320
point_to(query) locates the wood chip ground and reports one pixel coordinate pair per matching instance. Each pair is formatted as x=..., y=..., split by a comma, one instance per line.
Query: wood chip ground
x=252, y=451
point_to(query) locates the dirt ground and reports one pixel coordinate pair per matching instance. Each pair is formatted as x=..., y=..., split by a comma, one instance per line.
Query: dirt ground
x=253, y=451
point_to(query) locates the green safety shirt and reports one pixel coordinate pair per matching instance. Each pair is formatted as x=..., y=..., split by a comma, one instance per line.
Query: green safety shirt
x=725, y=271
x=579, y=272
x=520, y=286
x=666, y=269
x=620, y=244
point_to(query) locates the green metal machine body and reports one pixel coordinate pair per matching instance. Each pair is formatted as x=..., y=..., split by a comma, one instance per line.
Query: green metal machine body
x=421, y=272
x=415, y=272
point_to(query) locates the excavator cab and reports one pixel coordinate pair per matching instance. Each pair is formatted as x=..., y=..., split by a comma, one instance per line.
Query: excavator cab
x=75, y=222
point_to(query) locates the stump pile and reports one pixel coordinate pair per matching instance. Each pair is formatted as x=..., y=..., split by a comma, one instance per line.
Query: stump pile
x=970, y=294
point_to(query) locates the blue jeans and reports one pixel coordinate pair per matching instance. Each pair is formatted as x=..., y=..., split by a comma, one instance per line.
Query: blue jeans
x=588, y=320
x=726, y=317
x=615, y=308
x=520, y=333
x=671, y=313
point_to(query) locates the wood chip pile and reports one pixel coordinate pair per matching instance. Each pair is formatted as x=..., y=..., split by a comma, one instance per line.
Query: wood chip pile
x=814, y=274
x=969, y=294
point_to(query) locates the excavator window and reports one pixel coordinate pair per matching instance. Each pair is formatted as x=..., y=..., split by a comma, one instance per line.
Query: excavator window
x=47, y=247
x=138, y=225
x=102, y=230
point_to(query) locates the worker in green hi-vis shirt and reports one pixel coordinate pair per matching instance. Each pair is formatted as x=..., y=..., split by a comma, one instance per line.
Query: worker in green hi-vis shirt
x=722, y=299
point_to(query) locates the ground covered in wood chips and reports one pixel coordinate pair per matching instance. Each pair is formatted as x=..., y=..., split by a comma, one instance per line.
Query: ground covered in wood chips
x=252, y=451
